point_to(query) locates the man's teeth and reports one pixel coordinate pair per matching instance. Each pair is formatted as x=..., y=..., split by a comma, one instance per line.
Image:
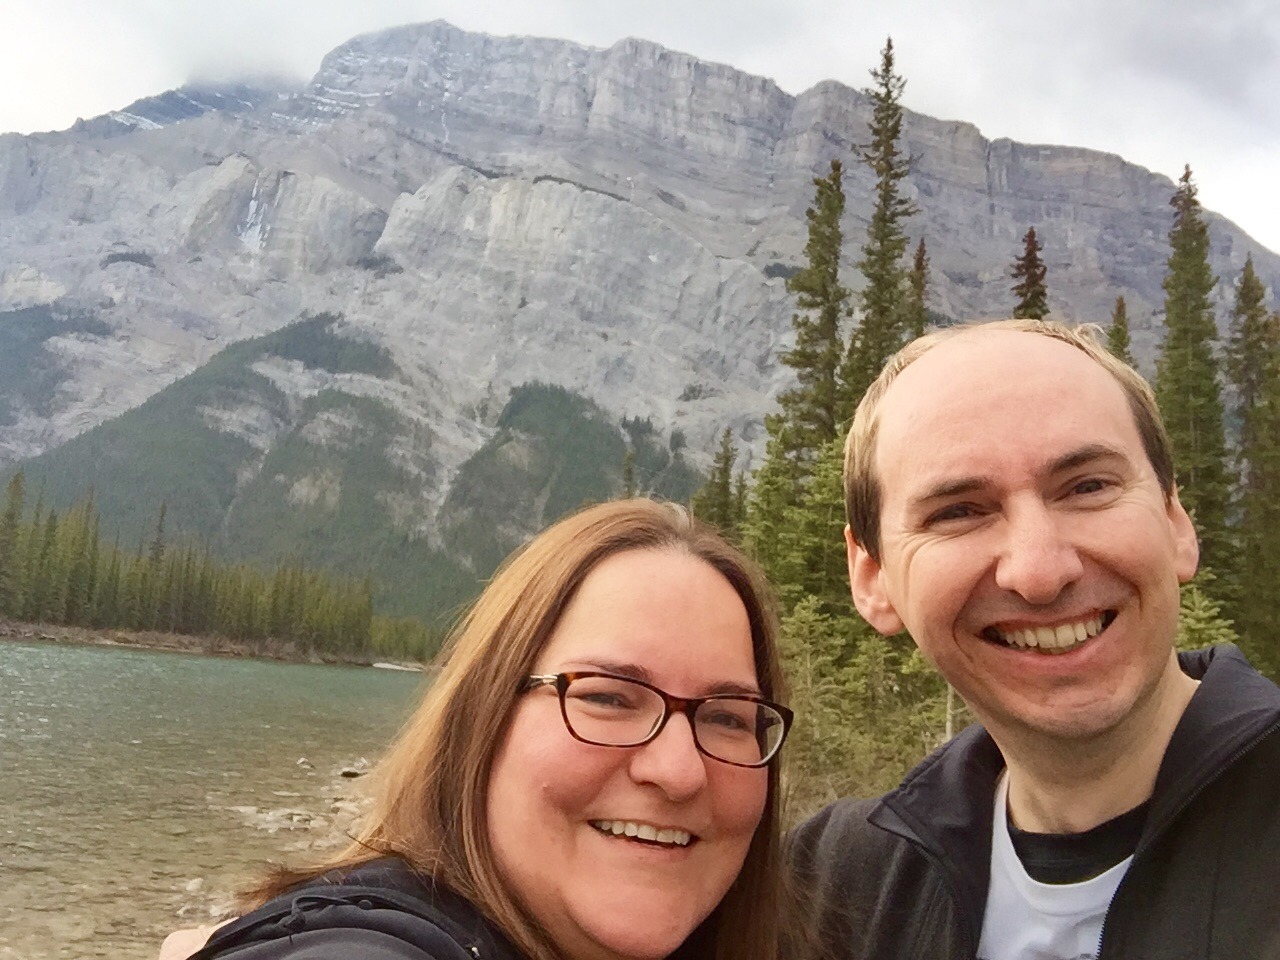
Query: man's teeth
x=1057, y=639
x=644, y=831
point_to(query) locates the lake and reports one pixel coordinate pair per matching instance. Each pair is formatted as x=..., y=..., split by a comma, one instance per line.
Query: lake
x=139, y=788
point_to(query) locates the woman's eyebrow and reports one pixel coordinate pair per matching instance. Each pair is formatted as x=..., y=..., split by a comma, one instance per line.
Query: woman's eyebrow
x=634, y=671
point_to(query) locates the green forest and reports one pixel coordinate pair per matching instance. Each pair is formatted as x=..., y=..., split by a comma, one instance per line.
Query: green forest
x=56, y=569
x=868, y=707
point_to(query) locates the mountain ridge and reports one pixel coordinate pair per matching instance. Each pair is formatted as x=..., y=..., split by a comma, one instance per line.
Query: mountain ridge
x=494, y=212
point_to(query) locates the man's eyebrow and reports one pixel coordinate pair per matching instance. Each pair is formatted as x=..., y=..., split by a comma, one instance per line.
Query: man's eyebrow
x=949, y=488
x=959, y=486
x=1089, y=453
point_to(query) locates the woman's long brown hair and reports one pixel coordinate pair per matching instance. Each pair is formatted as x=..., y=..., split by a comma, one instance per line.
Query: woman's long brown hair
x=431, y=784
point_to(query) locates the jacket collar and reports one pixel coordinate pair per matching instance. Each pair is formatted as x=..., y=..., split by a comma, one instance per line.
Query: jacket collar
x=944, y=806
x=1233, y=708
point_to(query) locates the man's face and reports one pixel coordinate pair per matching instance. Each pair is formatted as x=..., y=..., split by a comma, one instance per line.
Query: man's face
x=1025, y=542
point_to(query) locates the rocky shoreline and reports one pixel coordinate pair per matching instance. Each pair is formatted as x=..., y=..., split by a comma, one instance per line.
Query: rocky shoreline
x=312, y=824
x=210, y=646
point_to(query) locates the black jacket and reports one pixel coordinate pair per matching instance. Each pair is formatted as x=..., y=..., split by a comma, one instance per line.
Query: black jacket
x=906, y=876
x=379, y=911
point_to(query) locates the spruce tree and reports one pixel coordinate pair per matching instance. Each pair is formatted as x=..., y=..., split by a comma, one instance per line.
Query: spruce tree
x=629, y=473
x=916, y=314
x=11, y=559
x=882, y=327
x=715, y=502
x=1029, y=271
x=1118, y=333
x=1247, y=353
x=775, y=487
x=812, y=406
x=815, y=564
x=1200, y=619
x=1257, y=614
x=1187, y=385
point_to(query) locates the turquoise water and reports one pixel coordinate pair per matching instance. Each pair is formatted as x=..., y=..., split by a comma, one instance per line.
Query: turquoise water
x=133, y=784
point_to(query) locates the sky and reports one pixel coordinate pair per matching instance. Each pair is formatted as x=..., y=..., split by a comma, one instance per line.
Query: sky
x=1162, y=83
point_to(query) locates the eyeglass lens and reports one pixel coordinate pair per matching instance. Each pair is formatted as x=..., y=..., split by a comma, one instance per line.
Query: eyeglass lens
x=614, y=712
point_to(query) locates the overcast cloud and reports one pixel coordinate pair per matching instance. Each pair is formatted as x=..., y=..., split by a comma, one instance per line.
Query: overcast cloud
x=1160, y=82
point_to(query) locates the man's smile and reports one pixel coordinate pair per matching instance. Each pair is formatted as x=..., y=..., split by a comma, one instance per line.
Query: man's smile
x=1058, y=638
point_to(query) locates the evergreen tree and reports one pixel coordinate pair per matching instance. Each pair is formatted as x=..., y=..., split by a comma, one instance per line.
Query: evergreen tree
x=1029, y=271
x=775, y=488
x=629, y=473
x=823, y=759
x=1248, y=353
x=882, y=328
x=1200, y=620
x=156, y=553
x=11, y=559
x=42, y=598
x=715, y=502
x=1187, y=380
x=815, y=563
x=1256, y=611
x=1118, y=333
x=916, y=314
x=812, y=407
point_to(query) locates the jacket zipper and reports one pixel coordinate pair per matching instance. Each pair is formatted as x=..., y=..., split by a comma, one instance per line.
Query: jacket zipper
x=1181, y=808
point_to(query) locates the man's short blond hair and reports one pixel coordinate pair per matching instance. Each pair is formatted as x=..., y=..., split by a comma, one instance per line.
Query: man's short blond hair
x=862, y=487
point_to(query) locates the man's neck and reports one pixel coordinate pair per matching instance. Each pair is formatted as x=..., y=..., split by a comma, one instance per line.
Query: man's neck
x=1061, y=785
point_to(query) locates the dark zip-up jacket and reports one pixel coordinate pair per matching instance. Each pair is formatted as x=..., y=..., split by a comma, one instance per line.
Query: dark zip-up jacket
x=379, y=911
x=905, y=877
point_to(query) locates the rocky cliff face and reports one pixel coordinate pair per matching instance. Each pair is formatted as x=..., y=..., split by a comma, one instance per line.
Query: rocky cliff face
x=499, y=211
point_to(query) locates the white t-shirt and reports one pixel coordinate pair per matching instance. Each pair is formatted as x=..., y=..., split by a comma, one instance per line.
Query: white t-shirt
x=1029, y=920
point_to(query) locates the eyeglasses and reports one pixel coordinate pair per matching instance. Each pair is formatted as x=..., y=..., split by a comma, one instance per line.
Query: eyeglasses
x=609, y=711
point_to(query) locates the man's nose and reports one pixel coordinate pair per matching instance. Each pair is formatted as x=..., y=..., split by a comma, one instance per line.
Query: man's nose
x=672, y=761
x=1038, y=560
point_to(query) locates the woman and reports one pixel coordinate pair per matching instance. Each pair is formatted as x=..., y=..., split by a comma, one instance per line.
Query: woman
x=593, y=774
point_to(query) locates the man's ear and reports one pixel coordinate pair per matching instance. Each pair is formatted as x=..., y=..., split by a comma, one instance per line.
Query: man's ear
x=1186, y=545
x=867, y=585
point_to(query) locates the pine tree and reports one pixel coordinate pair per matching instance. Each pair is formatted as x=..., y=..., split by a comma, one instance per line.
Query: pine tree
x=1200, y=620
x=1187, y=381
x=629, y=473
x=1247, y=353
x=775, y=488
x=1256, y=611
x=11, y=559
x=715, y=503
x=815, y=564
x=1118, y=333
x=882, y=328
x=812, y=406
x=916, y=314
x=1029, y=271
x=42, y=597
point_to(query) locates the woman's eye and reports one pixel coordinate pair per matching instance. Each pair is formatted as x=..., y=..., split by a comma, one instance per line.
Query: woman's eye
x=602, y=699
x=726, y=721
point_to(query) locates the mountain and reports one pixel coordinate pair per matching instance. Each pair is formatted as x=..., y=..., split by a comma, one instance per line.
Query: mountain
x=327, y=314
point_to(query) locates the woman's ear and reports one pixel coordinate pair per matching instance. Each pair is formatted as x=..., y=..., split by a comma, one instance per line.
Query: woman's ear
x=866, y=582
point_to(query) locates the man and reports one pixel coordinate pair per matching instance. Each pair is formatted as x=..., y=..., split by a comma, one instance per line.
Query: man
x=1011, y=503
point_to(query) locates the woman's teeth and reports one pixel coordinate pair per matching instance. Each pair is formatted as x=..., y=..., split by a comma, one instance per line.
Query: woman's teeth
x=644, y=831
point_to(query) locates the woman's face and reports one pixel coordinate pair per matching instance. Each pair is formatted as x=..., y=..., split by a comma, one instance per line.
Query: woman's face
x=672, y=620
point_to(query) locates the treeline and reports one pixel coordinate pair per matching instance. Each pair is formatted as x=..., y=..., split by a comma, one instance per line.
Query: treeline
x=869, y=707
x=55, y=569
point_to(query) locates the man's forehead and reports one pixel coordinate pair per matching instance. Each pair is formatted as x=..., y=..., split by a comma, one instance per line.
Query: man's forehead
x=983, y=380
x=998, y=357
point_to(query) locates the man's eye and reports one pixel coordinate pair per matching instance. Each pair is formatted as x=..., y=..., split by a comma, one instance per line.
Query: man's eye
x=953, y=511
x=1090, y=485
